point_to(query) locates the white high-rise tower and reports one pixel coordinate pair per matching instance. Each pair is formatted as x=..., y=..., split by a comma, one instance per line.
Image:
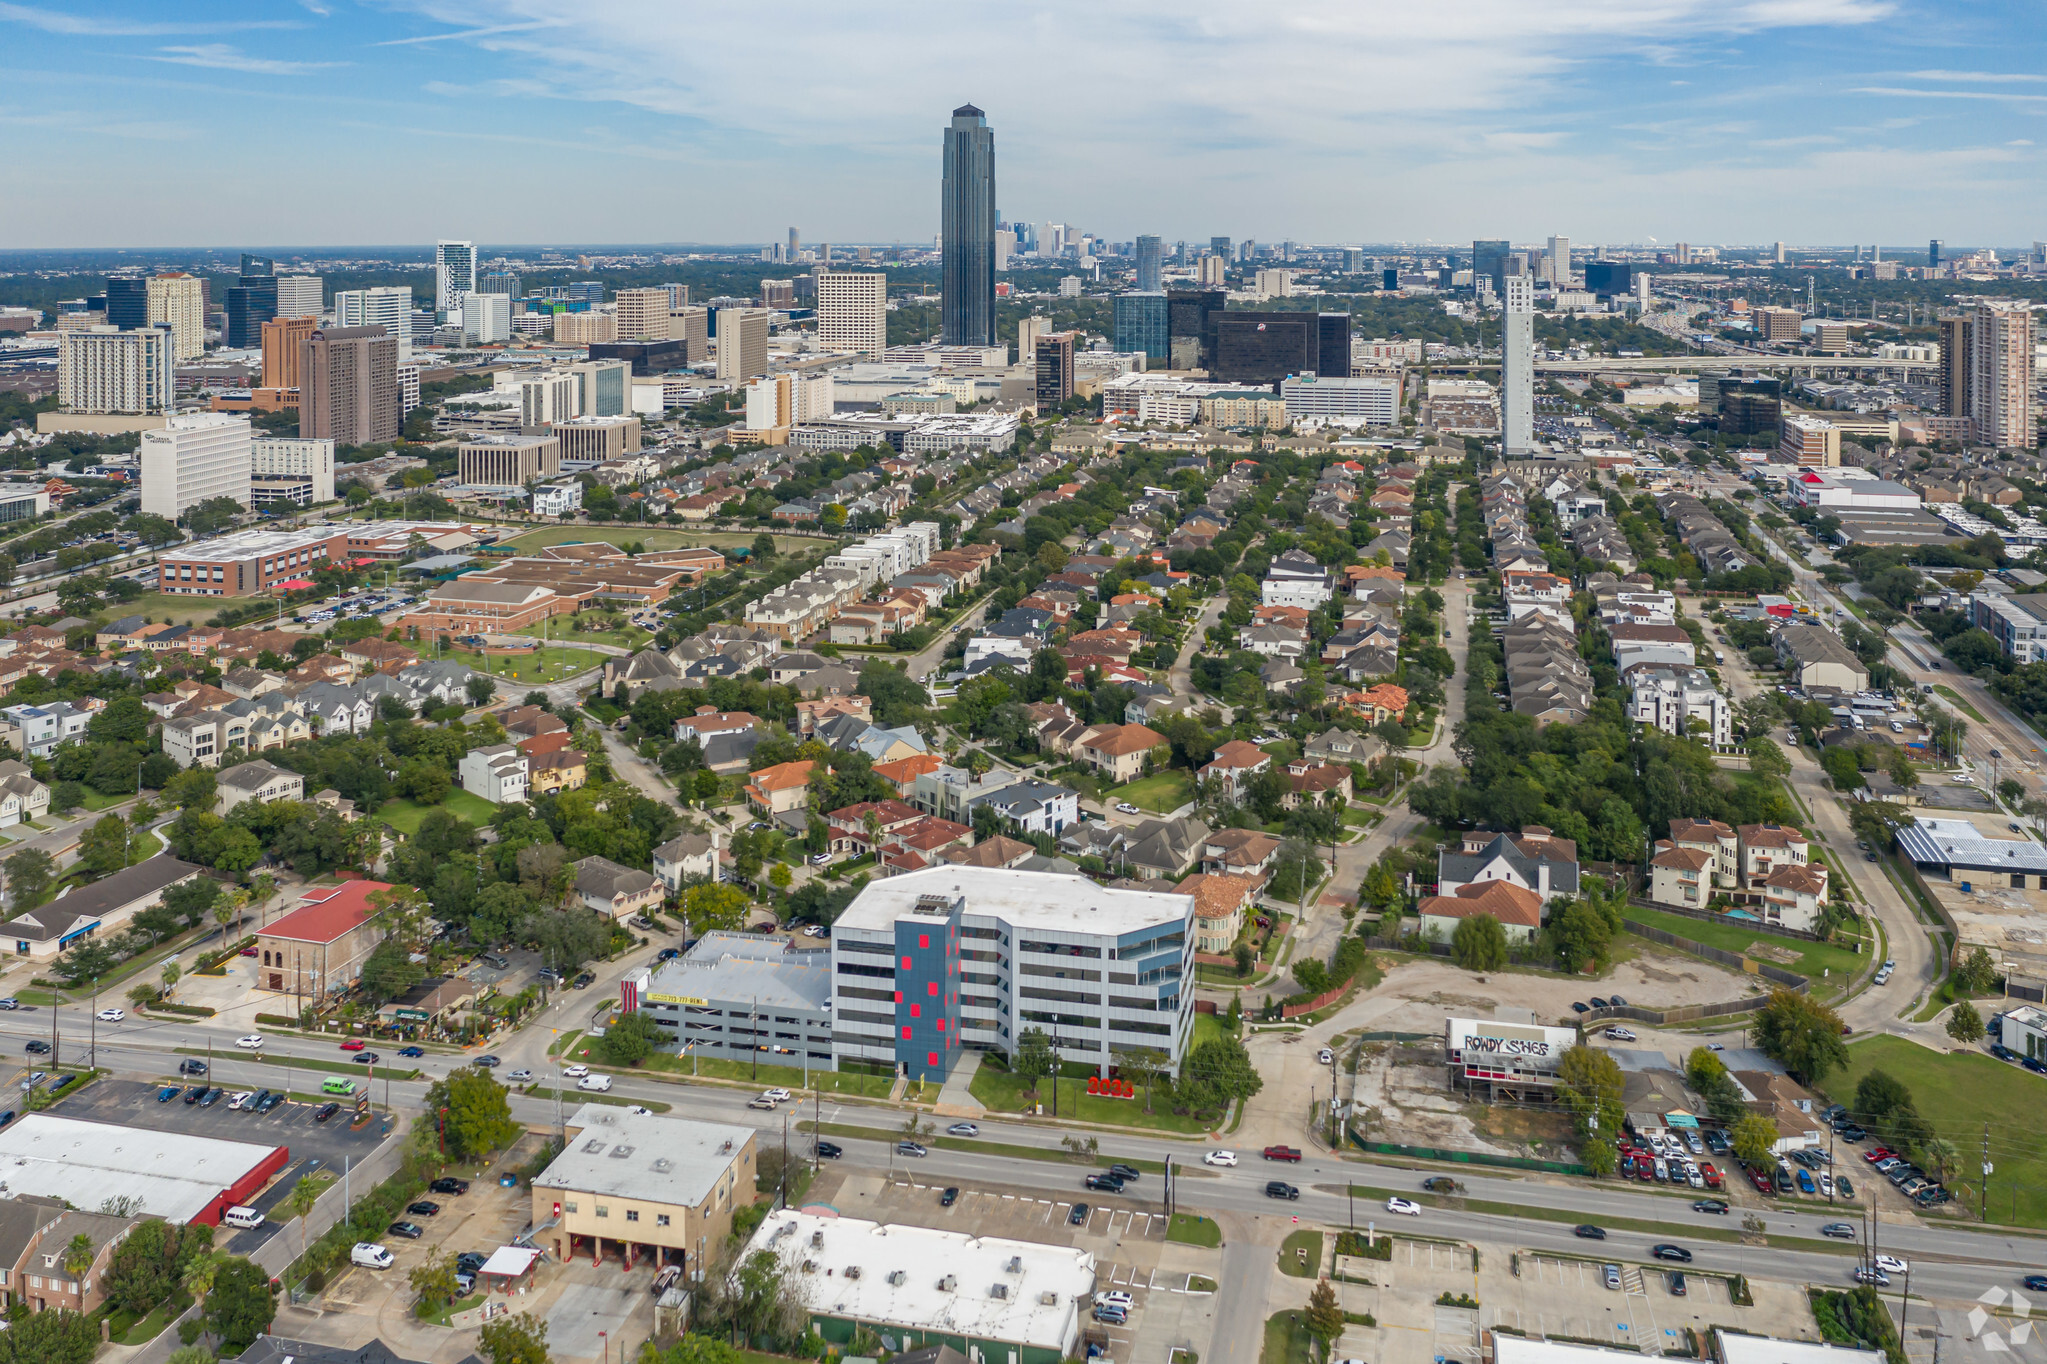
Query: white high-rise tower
x=454, y=273
x=1517, y=367
x=1560, y=261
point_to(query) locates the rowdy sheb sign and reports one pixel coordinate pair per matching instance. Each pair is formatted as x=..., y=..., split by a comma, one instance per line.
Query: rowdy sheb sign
x=1506, y=1046
x=1492, y=1043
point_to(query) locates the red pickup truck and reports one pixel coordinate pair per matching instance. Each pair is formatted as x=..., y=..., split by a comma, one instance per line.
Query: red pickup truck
x=1283, y=1153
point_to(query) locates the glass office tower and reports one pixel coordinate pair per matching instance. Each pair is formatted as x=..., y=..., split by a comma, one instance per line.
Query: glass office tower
x=967, y=238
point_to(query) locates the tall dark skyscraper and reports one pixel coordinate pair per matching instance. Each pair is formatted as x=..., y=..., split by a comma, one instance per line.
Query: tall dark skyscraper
x=127, y=302
x=967, y=231
x=1489, y=259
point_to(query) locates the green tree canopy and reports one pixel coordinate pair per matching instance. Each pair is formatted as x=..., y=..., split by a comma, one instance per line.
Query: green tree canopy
x=479, y=1118
x=1802, y=1033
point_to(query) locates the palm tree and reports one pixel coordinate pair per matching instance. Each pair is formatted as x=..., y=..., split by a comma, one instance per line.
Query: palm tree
x=304, y=1195
x=170, y=976
x=79, y=1255
x=200, y=1273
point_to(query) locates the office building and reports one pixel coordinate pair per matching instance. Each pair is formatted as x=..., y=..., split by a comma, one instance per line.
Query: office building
x=348, y=386
x=1214, y=271
x=967, y=232
x=598, y=326
x=1559, y=261
x=603, y=386
x=1312, y=400
x=283, y=340
x=692, y=328
x=590, y=441
x=296, y=470
x=550, y=396
x=642, y=314
x=1143, y=326
x=127, y=302
x=454, y=273
x=778, y=295
x=1028, y=330
x=300, y=296
x=1956, y=333
x=931, y=962
x=105, y=371
x=1191, y=313
x=1263, y=347
x=1489, y=261
x=496, y=461
x=1148, y=251
x=1220, y=248
x=177, y=303
x=2001, y=374
x=1812, y=442
x=1005, y=247
x=486, y=319
x=776, y=402
x=388, y=306
x=1778, y=324
x=257, y=267
x=585, y=291
x=1274, y=283
x=852, y=311
x=1933, y=254
x=742, y=343
x=194, y=458
x=251, y=302
x=1777, y=253
x=1609, y=278
x=504, y=282
x=1054, y=355
x=1517, y=367
x=1750, y=407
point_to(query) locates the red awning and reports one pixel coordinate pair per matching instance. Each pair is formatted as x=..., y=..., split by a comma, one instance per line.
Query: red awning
x=293, y=584
x=360, y=563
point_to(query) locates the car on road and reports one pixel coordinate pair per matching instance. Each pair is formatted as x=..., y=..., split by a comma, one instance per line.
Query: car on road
x=780, y=1096
x=448, y=1184
x=1104, y=1183
x=422, y=1208
x=354, y=1044
x=1891, y=1264
x=1279, y=1188
x=1840, y=1231
x=1710, y=1205
x=9, y=1004
x=367, y=1058
x=958, y=1129
x=910, y=1148
x=1875, y=1277
x=485, y=1061
x=1405, y=1206
x=669, y=954
x=1324, y=1057
x=1222, y=1158
x=190, y=1066
x=576, y=1071
x=1611, y=1275
x=36, y=1047
x=2036, y=1282
x=1621, y=1034
x=1127, y=1173
x=1077, y=1216
x=1666, y=1251
x=411, y=1231
x=829, y=1150
x=411, y=1051
x=949, y=1197
x=765, y=1105
x=1287, y=1153
x=1440, y=1184
x=250, y=1042
x=519, y=1077
x=1124, y=807
x=1588, y=1232
x=111, y=1015
x=326, y=1111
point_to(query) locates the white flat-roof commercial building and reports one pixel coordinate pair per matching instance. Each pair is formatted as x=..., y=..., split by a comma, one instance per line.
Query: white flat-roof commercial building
x=1735, y=1348
x=294, y=469
x=1012, y=1302
x=173, y=1175
x=195, y=458
x=931, y=962
x=1315, y=401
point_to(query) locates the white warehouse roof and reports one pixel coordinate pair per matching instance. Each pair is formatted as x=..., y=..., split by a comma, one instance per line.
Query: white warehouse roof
x=174, y=1175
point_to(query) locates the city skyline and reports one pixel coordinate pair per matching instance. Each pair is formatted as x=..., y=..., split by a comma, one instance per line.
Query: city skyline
x=1810, y=121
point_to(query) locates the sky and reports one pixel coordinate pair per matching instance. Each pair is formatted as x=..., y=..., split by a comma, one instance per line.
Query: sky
x=231, y=123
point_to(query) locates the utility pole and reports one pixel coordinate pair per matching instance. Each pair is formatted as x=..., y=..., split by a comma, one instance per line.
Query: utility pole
x=1985, y=1186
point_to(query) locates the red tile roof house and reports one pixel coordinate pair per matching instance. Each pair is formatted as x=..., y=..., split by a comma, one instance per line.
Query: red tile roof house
x=319, y=947
x=1121, y=752
x=1235, y=763
x=1519, y=910
x=849, y=826
x=785, y=786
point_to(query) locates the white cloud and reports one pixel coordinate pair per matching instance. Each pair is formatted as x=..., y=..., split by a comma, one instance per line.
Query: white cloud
x=82, y=26
x=1978, y=77
x=221, y=57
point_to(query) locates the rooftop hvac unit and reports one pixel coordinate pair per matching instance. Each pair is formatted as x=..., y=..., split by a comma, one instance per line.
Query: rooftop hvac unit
x=621, y=1152
x=1048, y=1299
x=663, y=1164
x=896, y=1277
x=1000, y=1290
x=810, y=1266
x=1015, y=1265
x=817, y=1238
x=949, y=1284
x=852, y=1271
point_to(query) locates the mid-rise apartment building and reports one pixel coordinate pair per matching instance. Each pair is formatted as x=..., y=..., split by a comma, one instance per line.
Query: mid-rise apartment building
x=177, y=303
x=1813, y=442
x=852, y=311
x=742, y=342
x=1054, y=357
x=1312, y=400
x=932, y=962
x=298, y=470
x=107, y=372
x=284, y=340
x=194, y=458
x=692, y=327
x=642, y=314
x=348, y=386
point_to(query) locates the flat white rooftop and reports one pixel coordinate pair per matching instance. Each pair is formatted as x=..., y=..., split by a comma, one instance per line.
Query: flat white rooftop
x=1016, y=1292
x=643, y=1155
x=1045, y=900
x=1740, y=1349
x=174, y=1175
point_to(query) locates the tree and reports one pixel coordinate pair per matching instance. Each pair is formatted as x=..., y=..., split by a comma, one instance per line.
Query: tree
x=1581, y=937
x=433, y=1278
x=481, y=688
x=78, y=1255
x=1964, y=1024
x=632, y=1039
x=1589, y=1082
x=779, y=876
x=1479, y=943
x=389, y=972
x=1704, y=1070
x=29, y=874
x=201, y=1271
x=1755, y=1141
x=713, y=905
x=241, y=1305
x=170, y=975
x=1767, y=760
x=1978, y=972
x=1223, y=1064
x=239, y=850
x=479, y=1118
x=103, y=850
x=1034, y=1059
x=304, y=1195
x=1379, y=886
x=1325, y=1313
x=520, y=1339
x=1840, y=765
x=1802, y=1033
x=1246, y=957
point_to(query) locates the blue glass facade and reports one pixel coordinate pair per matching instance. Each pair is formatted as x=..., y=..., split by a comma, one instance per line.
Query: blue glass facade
x=1143, y=325
x=928, y=991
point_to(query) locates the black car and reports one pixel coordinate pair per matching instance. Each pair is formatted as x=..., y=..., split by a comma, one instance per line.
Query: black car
x=484, y=1061
x=1104, y=1183
x=195, y=1093
x=1853, y=1134
x=326, y=1111
x=411, y=1231
x=949, y=1197
x=268, y=1101
x=2034, y=1064
x=1077, y=1216
x=36, y=1047
x=1579, y=1006
x=448, y=1184
x=1440, y=1184
x=1615, y=1000
x=191, y=1067
x=2002, y=1052
x=1677, y=1283
x=209, y=1098
x=1279, y=1188
x=2036, y=1282
x=423, y=1208
x=1598, y=1003
x=1126, y=1173
x=1710, y=1205
x=1589, y=1232
x=367, y=1058
x=1677, y=1254
x=469, y=1261
x=64, y=1081
x=583, y=981
x=6, y=1117
x=829, y=1150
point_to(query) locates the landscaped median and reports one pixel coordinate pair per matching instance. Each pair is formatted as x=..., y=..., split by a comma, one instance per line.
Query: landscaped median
x=984, y=1148
x=359, y=1072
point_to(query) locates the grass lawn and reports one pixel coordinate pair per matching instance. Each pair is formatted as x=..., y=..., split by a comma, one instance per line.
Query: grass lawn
x=558, y=631
x=1207, y=1027
x=1951, y=694
x=1000, y=1092
x=1160, y=793
x=787, y=1077
x=655, y=538
x=182, y=610
x=1190, y=1230
x=404, y=815
x=438, y=1316
x=1958, y=1094
x=126, y=1330
x=1287, y=1340
x=1815, y=960
x=572, y=1097
x=550, y=664
x=567, y=1039
x=1307, y=1242
x=353, y=1069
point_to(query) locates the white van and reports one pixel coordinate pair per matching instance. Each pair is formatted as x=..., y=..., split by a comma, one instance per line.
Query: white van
x=241, y=1217
x=599, y=1083
x=370, y=1255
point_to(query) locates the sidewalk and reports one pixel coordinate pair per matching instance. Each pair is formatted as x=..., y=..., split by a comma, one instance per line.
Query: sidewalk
x=956, y=1099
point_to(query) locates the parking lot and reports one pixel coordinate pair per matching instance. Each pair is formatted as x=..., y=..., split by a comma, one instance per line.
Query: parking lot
x=313, y=1145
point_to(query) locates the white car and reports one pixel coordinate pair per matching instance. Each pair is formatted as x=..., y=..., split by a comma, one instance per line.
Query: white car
x=1891, y=1264
x=1124, y=807
x=370, y=1255
x=253, y=1042
x=1403, y=1205
x=1324, y=1057
x=638, y=1109
x=1116, y=1298
x=1228, y=1158
x=576, y=1071
x=1621, y=1034
x=111, y=1015
x=778, y=1095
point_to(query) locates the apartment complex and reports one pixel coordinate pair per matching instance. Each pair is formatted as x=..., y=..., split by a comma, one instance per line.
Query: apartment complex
x=641, y=314
x=193, y=458
x=348, y=386
x=742, y=342
x=103, y=371
x=283, y=340
x=177, y=303
x=2001, y=374
x=852, y=311
x=297, y=470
